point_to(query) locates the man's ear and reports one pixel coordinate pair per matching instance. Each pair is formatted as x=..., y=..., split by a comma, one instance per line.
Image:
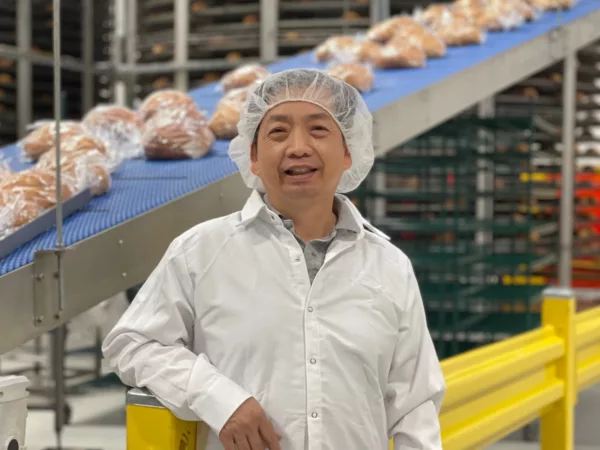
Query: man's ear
x=254, y=159
x=347, y=158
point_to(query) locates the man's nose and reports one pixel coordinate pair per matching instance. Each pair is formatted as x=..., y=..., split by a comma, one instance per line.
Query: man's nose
x=299, y=145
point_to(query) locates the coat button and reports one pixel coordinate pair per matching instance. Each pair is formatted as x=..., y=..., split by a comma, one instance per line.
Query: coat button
x=313, y=361
x=310, y=309
x=314, y=415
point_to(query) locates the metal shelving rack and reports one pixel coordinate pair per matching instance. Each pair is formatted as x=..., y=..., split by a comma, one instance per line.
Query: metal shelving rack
x=26, y=61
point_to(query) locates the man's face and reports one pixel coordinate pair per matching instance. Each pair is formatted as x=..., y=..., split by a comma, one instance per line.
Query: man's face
x=299, y=151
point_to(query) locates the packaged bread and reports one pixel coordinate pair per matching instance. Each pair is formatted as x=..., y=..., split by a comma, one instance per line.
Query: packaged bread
x=75, y=145
x=38, y=187
x=547, y=5
x=119, y=128
x=333, y=46
x=85, y=170
x=43, y=137
x=164, y=99
x=433, y=45
x=364, y=49
x=15, y=212
x=403, y=54
x=243, y=76
x=359, y=76
x=224, y=121
x=382, y=32
x=177, y=134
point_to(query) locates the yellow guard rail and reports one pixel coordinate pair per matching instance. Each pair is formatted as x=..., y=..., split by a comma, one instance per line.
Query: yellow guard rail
x=491, y=391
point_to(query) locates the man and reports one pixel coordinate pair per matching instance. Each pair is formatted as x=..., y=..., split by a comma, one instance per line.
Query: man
x=292, y=324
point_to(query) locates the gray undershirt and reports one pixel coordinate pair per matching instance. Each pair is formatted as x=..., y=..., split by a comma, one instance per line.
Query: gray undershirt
x=316, y=250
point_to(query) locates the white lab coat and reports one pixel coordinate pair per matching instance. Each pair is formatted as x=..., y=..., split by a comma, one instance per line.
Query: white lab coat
x=230, y=313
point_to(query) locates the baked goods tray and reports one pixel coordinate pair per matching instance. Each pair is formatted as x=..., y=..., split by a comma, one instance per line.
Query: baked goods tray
x=43, y=223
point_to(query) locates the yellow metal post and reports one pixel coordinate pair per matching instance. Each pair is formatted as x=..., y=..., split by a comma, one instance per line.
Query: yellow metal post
x=150, y=426
x=557, y=421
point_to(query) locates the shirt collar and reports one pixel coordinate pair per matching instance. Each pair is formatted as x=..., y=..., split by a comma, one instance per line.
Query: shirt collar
x=349, y=218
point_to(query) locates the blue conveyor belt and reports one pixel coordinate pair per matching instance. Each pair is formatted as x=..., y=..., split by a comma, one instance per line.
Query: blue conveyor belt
x=140, y=186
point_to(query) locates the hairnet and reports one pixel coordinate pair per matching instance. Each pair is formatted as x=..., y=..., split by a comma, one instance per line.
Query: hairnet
x=339, y=99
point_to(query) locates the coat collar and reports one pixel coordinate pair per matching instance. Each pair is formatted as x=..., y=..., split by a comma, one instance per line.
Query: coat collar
x=350, y=217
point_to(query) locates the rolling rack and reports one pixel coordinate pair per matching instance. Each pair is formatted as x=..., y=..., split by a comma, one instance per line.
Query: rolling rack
x=116, y=241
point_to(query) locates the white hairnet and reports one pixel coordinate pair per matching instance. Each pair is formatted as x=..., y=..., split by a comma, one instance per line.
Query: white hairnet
x=339, y=99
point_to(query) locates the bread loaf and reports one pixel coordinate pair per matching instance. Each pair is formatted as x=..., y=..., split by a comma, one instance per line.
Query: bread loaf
x=120, y=129
x=431, y=43
x=243, y=76
x=176, y=134
x=364, y=50
x=43, y=138
x=224, y=121
x=399, y=56
x=333, y=46
x=356, y=75
x=164, y=99
x=382, y=32
x=75, y=145
x=37, y=186
x=457, y=34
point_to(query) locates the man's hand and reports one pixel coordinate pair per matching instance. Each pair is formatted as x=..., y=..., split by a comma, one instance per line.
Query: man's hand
x=249, y=429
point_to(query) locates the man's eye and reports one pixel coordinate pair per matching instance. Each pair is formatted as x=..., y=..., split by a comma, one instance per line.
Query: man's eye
x=319, y=128
x=277, y=130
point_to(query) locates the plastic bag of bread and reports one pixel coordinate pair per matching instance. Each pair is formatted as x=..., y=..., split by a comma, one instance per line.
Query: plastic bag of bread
x=224, y=121
x=494, y=16
x=86, y=170
x=43, y=137
x=363, y=50
x=384, y=31
x=37, y=186
x=359, y=76
x=243, y=76
x=333, y=47
x=433, y=45
x=167, y=98
x=548, y=5
x=15, y=212
x=119, y=128
x=402, y=54
x=77, y=145
x=177, y=134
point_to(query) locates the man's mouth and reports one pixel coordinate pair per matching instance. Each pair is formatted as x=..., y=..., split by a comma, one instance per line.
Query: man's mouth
x=299, y=171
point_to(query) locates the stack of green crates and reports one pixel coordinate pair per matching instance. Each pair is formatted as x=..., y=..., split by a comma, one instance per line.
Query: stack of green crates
x=459, y=203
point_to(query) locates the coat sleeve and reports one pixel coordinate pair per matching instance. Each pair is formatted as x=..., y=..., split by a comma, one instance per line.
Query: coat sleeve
x=150, y=347
x=416, y=384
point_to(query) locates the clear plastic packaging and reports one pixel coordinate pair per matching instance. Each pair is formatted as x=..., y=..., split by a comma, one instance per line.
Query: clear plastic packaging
x=243, y=76
x=384, y=31
x=224, y=121
x=456, y=29
x=119, y=128
x=432, y=44
x=37, y=187
x=359, y=76
x=88, y=169
x=177, y=134
x=334, y=46
x=76, y=145
x=165, y=99
x=494, y=16
x=42, y=138
x=549, y=5
x=15, y=212
x=402, y=54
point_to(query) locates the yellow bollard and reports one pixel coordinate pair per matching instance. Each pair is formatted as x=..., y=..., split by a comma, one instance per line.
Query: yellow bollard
x=557, y=422
x=150, y=426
